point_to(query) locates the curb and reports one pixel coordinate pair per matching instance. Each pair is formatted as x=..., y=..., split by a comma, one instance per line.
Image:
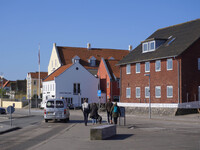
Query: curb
x=9, y=130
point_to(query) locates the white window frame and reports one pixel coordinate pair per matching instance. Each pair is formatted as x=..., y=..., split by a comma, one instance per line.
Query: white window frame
x=146, y=66
x=156, y=63
x=198, y=63
x=147, y=88
x=128, y=90
x=136, y=92
x=148, y=45
x=168, y=61
x=128, y=69
x=169, y=96
x=137, y=68
x=156, y=91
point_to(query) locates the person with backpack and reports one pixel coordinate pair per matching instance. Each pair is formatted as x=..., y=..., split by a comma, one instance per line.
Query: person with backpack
x=109, y=105
x=115, y=112
x=86, y=111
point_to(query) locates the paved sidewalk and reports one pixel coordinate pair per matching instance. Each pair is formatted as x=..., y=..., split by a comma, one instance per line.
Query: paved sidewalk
x=139, y=133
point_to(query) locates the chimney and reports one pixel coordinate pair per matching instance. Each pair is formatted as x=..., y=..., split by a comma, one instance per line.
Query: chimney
x=130, y=47
x=54, y=44
x=88, y=46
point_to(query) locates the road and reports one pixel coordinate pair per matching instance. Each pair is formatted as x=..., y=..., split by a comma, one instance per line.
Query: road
x=139, y=133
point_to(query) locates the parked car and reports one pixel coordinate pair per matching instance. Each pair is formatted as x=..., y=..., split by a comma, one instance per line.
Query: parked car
x=2, y=110
x=56, y=109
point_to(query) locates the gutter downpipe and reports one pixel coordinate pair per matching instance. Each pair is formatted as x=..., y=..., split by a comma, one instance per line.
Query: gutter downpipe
x=178, y=81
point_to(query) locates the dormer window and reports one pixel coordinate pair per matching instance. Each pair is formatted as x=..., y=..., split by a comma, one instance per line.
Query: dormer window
x=92, y=61
x=148, y=46
x=75, y=59
x=111, y=58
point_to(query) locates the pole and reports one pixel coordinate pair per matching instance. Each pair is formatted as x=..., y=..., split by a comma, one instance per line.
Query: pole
x=38, y=77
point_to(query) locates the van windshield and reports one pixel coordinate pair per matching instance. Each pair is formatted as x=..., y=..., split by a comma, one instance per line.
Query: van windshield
x=59, y=104
x=50, y=104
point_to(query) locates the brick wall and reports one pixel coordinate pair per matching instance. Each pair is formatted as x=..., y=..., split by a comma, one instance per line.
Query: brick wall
x=162, y=78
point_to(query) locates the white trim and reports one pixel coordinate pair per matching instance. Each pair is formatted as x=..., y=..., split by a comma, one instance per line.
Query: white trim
x=137, y=67
x=159, y=87
x=148, y=46
x=167, y=91
x=168, y=64
x=149, y=66
x=156, y=66
x=128, y=96
x=128, y=71
x=136, y=92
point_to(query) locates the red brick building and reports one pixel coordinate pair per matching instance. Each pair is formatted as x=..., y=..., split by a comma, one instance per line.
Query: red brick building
x=171, y=58
x=109, y=75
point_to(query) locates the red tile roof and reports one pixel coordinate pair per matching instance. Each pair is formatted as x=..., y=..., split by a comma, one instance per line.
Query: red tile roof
x=67, y=53
x=57, y=72
x=113, y=69
x=35, y=75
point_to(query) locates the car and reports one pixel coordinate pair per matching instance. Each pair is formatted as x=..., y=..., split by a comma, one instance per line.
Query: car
x=56, y=109
x=2, y=110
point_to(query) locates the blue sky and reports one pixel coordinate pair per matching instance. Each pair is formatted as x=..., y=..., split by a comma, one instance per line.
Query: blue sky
x=103, y=23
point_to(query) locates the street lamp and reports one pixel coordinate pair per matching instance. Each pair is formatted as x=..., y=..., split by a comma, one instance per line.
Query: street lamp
x=148, y=75
x=1, y=75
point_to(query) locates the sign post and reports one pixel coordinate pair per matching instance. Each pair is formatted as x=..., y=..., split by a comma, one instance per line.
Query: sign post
x=10, y=110
x=99, y=95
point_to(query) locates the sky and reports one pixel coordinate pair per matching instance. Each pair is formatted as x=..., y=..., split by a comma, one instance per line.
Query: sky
x=114, y=24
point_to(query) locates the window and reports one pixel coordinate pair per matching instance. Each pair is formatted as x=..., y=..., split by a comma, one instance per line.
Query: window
x=147, y=92
x=76, y=88
x=128, y=69
x=93, y=62
x=158, y=91
x=137, y=68
x=148, y=46
x=128, y=92
x=169, y=91
x=147, y=66
x=107, y=84
x=137, y=92
x=50, y=104
x=59, y=104
x=169, y=64
x=157, y=65
x=35, y=82
x=198, y=63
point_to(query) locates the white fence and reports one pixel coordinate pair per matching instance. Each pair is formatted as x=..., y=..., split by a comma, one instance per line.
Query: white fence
x=188, y=105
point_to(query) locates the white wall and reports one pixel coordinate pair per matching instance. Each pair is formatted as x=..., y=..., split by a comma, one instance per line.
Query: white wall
x=88, y=84
x=54, y=58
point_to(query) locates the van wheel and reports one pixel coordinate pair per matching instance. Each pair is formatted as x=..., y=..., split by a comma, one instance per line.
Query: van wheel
x=46, y=120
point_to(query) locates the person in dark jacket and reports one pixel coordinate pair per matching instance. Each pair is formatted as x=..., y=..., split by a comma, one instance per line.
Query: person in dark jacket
x=109, y=105
x=115, y=112
x=94, y=113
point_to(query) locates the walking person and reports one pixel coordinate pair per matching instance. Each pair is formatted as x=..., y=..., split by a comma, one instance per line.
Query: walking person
x=94, y=113
x=86, y=111
x=109, y=105
x=115, y=112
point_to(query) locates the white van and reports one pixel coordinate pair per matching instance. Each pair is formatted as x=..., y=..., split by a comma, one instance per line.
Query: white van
x=56, y=109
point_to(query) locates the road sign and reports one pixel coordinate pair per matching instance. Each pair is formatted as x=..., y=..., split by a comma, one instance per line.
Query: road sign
x=10, y=109
x=99, y=93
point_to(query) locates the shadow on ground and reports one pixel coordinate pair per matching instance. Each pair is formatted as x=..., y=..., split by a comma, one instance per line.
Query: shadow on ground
x=120, y=137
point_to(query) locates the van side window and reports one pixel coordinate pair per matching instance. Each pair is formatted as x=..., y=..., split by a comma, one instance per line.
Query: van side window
x=50, y=104
x=59, y=104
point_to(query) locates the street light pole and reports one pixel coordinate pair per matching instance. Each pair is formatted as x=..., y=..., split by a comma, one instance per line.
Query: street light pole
x=1, y=85
x=149, y=95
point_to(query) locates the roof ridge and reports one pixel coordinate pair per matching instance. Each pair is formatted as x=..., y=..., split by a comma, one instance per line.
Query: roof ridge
x=92, y=48
x=179, y=24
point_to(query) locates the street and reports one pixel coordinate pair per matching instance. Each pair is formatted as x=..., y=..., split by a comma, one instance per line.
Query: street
x=165, y=133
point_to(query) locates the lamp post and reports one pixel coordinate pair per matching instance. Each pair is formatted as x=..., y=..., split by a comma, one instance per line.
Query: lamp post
x=1, y=75
x=148, y=75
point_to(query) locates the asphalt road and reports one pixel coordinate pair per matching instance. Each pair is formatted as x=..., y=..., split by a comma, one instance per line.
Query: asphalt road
x=139, y=133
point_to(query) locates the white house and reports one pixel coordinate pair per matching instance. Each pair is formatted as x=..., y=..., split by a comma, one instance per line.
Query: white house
x=72, y=82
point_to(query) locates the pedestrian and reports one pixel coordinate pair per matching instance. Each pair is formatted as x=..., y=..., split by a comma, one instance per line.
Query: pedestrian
x=109, y=105
x=86, y=111
x=115, y=112
x=94, y=113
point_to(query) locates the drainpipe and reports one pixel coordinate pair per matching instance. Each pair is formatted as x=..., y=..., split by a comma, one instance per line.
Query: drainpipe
x=178, y=81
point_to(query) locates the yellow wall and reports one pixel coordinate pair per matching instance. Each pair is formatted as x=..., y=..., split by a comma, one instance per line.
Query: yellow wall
x=5, y=104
